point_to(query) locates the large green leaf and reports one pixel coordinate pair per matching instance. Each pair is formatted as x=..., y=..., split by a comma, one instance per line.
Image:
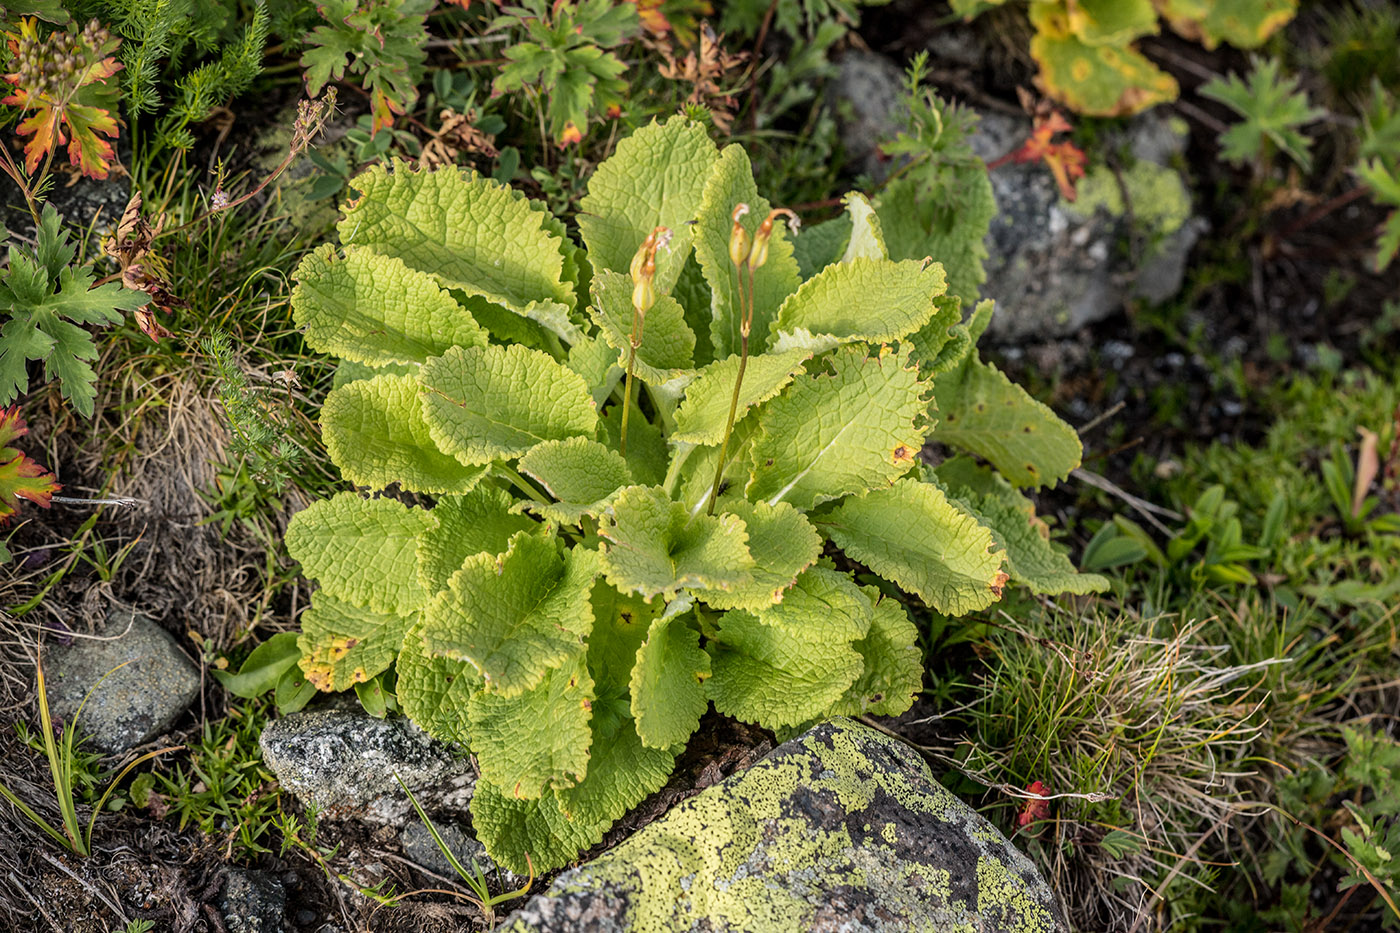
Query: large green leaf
x=514, y=616
x=362, y=551
x=825, y=604
x=656, y=547
x=828, y=435
x=622, y=772
x=433, y=692
x=1245, y=24
x=489, y=403
x=894, y=666
x=984, y=412
x=620, y=625
x=512, y=829
x=470, y=232
x=342, y=645
x=580, y=473
x=375, y=432
x=730, y=184
x=766, y=675
x=1100, y=81
x=667, y=348
x=480, y=522
x=783, y=544
x=702, y=415
x=911, y=534
x=865, y=299
x=948, y=226
x=536, y=740
x=655, y=177
x=668, y=696
x=375, y=310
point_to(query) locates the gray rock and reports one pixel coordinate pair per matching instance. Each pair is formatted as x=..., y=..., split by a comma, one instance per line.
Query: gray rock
x=253, y=902
x=841, y=829
x=343, y=762
x=134, y=703
x=867, y=95
x=85, y=202
x=418, y=846
x=1056, y=266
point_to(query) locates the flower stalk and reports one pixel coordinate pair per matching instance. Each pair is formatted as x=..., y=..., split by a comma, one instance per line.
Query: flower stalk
x=643, y=297
x=748, y=254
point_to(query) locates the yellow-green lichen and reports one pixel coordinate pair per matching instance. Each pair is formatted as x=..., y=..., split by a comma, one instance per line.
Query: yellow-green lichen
x=1160, y=201
x=999, y=889
x=888, y=831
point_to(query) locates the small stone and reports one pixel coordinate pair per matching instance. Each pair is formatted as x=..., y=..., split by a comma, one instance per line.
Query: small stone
x=304, y=917
x=252, y=902
x=136, y=702
x=419, y=846
x=343, y=763
x=841, y=829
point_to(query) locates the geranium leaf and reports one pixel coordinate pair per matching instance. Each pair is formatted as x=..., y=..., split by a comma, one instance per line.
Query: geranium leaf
x=656, y=547
x=489, y=403
x=375, y=432
x=21, y=477
x=910, y=533
x=361, y=550
x=373, y=309
x=514, y=616
x=828, y=435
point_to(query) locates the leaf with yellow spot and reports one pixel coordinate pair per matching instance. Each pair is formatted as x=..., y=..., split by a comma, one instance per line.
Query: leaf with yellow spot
x=342, y=645
x=1245, y=24
x=1101, y=81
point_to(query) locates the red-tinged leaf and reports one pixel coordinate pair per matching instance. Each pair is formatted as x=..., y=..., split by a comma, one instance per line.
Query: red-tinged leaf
x=90, y=153
x=1036, y=808
x=572, y=134
x=86, y=149
x=384, y=108
x=20, y=476
x=1065, y=160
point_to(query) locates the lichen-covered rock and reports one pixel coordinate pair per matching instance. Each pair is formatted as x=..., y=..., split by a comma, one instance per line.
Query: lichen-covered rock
x=840, y=829
x=139, y=681
x=343, y=761
x=1055, y=266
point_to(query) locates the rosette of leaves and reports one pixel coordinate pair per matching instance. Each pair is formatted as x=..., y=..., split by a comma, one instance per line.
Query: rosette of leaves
x=567, y=612
x=1086, y=53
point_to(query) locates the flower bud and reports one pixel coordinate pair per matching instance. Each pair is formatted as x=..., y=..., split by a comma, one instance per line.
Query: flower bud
x=739, y=242
x=643, y=295
x=758, y=255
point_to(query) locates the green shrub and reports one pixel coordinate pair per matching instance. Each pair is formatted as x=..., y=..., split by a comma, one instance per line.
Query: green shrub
x=575, y=598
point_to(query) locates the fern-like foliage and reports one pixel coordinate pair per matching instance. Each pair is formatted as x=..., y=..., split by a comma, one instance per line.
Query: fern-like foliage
x=585, y=572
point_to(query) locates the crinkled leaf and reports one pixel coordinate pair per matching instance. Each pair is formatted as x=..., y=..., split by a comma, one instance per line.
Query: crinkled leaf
x=342, y=645
x=828, y=435
x=373, y=309
x=766, y=675
x=480, y=522
x=468, y=231
x=783, y=544
x=537, y=740
x=654, y=178
x=825, y=604
x=894, y=666
x=939, y=345
x=701, y=417
x=349, y=371
x=982, y=411
x=863, y=299
x=730, y=184
x=362, y=551
x=668, y=696
x=912, y=535
x=595, y=360
x=511, y=829
x=656, y=547
x=514, y=616
x=581, y=474
x=668, y=344
x=433, y=692
x=489, y=403
x=951, y=230
x=622, y=772
x=375, y=432
x=647, y=453
x=620, y=625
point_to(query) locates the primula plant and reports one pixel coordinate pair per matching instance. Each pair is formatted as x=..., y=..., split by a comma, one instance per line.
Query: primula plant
x=566, y=598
